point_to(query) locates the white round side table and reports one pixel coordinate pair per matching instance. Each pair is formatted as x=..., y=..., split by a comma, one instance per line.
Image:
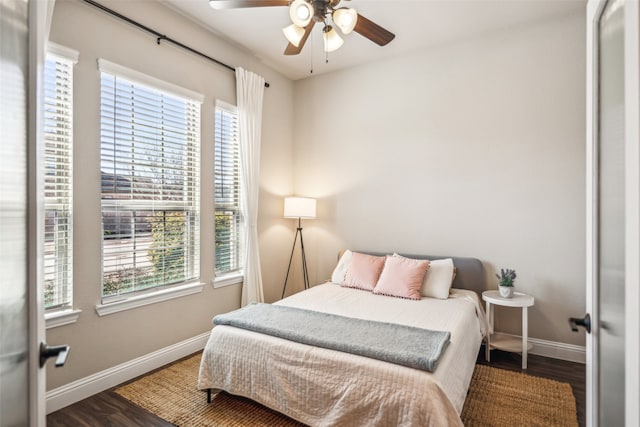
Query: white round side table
x=515, y=345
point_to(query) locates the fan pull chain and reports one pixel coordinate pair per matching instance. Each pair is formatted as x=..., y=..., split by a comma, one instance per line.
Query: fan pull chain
x=311, y=54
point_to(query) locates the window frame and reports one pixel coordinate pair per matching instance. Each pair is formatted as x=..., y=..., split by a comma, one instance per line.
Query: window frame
x=58, y=187
x=233, y=275
x=191, y=284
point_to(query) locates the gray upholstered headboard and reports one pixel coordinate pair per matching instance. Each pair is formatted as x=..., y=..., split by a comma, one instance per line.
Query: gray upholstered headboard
x=469, y=271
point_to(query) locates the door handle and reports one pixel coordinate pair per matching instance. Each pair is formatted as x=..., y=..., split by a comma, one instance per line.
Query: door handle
x=60, y=352
x=585, y=322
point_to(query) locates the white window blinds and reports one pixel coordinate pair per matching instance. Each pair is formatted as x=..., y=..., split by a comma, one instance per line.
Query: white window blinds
x=58, y=177
x=150, y=166
x=229, y=222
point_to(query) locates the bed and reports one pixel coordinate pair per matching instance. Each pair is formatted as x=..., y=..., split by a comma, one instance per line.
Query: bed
x=323, y=387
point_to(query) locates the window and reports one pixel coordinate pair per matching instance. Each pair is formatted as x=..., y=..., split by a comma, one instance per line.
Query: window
x=229, y=221
x=150, y=174
x=58, y=175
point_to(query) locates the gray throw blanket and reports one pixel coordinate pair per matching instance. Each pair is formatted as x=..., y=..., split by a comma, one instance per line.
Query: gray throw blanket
x=399, y=344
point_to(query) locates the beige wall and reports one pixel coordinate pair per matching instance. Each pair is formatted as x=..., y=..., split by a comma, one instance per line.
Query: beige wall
x=472, y=149
x=98, y=343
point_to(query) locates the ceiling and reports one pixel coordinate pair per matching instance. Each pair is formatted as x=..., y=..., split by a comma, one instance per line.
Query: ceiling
x=417, y=24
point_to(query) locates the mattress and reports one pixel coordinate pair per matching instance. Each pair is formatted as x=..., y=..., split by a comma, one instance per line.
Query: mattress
x=322, y=387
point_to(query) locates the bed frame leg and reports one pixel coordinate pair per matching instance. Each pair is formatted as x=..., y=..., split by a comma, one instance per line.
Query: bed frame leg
x=208, y=395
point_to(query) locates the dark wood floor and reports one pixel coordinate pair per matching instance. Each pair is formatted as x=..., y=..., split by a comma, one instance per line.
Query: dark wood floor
x=110, y=409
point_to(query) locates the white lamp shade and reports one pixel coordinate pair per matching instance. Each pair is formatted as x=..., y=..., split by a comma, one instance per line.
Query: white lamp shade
x=294, y=34
x=301, y=13
x=345, y=19
x=299, y=207
x=332, y=41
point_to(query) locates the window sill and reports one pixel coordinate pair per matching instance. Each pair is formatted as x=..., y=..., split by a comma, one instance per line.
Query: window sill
x=61, y=318
x=227, y=280
x=147, y=299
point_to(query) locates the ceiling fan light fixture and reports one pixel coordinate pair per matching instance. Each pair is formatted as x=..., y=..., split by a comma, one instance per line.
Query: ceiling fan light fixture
x=332, y=41
x=301, y=13
x=294, y=34
x=345, y=18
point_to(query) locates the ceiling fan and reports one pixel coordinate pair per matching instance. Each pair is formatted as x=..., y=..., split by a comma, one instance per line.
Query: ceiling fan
x=306, y=13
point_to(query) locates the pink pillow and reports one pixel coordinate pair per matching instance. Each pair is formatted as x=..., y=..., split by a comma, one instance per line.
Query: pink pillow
x=402, y=277
x=363, y=271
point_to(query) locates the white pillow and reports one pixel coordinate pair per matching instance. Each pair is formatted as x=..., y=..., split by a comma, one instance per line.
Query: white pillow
x=439, y=278
x=341, y=269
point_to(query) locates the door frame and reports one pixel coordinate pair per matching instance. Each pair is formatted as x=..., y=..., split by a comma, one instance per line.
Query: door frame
x=632, y=211
x=594, y=10
x=632, y=214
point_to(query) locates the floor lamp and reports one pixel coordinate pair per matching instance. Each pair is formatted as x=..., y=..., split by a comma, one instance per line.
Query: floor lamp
x=299, y=207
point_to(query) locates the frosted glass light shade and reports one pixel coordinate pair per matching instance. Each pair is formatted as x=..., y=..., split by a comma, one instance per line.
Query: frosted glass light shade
x=294, y=34
x=332, y=41
x=345, y=19
x=299, y=207
x=301, y=13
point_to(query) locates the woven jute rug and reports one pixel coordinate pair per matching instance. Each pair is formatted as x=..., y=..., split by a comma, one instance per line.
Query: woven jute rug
x=496, y=398
x=504, y=398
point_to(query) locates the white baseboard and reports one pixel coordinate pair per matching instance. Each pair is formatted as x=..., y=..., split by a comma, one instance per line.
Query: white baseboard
x=80, y=389
x=555, y=350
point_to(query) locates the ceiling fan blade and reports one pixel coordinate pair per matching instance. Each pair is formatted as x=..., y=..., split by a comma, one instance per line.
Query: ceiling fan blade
x=292, y=49
x=237, y=4
x=373, y=31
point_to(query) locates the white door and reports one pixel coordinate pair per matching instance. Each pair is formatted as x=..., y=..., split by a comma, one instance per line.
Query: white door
x=14, y=296
x=23, y=26
x=613, y=214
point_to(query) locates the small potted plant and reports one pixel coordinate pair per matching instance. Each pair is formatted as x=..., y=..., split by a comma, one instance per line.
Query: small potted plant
x=506, y=278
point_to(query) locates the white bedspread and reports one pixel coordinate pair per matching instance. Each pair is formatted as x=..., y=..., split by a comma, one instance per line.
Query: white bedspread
x=322, y=387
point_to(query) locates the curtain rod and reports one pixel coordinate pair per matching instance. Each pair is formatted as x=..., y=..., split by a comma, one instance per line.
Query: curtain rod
x=160, y=36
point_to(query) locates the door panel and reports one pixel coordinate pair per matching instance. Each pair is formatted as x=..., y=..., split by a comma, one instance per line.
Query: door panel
x=610, y=250
x=23, y=34
x=14, y=297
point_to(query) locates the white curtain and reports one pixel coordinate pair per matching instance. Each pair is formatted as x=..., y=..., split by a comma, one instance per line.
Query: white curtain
x=249, y=91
